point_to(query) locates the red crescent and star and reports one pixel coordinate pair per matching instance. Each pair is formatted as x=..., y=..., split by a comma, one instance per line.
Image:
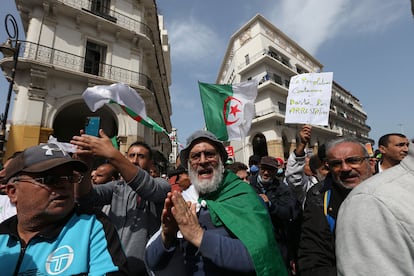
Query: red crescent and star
x=234, y=109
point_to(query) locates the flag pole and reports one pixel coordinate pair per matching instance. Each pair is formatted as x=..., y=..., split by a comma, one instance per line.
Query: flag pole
x=243, y=143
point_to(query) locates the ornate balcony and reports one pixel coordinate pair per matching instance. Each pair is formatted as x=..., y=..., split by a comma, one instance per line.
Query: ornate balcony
x=61, y=59
x=92, y=6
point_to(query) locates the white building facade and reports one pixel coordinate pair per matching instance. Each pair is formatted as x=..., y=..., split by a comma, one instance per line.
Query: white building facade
x=260, y=50
x=74, y=44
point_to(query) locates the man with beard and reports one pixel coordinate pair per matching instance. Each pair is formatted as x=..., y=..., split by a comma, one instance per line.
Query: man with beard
x=228, y=233
x=349, y=164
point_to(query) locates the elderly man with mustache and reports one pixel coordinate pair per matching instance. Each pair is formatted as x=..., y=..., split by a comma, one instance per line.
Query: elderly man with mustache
x=227, y=231
x=349, y=164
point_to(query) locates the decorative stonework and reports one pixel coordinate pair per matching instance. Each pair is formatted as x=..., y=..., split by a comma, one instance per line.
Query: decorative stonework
x=37, y=94
x=78, y=20
x=245, y=37
x=269, y=32
x=37, y=89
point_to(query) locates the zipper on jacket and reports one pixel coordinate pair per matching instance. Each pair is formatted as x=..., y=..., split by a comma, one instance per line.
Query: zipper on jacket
x=19, y=261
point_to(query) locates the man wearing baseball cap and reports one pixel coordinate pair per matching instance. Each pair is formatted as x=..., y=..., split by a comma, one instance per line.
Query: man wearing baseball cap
x=49, y=235
x=227, y=232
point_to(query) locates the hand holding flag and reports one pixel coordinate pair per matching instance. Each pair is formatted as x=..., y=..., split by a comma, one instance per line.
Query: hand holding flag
x=124, y=96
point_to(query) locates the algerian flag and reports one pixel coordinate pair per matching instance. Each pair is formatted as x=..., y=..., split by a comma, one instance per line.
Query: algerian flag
x=123, y=95
x=228, y=108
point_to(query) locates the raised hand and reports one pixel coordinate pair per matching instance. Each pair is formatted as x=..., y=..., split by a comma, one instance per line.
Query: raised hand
x=186, y=217
x=169, y=227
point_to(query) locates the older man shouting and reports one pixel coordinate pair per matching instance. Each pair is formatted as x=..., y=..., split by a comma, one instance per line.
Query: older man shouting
x=228, y=233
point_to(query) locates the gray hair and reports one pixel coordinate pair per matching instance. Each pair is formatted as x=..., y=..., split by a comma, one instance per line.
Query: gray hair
x=346, y=139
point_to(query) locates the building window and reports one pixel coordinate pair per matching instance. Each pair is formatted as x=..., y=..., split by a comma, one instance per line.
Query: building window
x=247, y=59
x=287, y=82
x=281, y=58
x=285, y=61
x=277, y=79
x=282, y=107
x=100, y=6
x=300, y=70
x=94, y=56
x=273, y=54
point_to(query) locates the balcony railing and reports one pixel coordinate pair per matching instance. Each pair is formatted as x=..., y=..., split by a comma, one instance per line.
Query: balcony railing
x=112, y=15
x=57, y=58
x=268, y=53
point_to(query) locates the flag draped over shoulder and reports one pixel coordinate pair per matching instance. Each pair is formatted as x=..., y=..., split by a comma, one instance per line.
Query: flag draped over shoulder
x=236, y=206
x=228, y=108
x=124, y=96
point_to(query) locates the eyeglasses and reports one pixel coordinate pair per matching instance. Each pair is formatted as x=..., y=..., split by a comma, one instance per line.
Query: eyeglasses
x=209, y=155
x=353, y=161
x=139, y=155
x=268, y=168
x=50, y=181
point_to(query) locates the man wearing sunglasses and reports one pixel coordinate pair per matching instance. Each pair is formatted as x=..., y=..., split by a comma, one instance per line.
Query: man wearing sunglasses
x=49, y=235
x=349, y=164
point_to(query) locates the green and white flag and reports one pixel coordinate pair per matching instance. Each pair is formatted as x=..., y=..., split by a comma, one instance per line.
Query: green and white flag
x=228, y=108
x=124, y=96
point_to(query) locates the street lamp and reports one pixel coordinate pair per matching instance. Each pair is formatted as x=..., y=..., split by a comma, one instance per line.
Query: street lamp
x=10, y=48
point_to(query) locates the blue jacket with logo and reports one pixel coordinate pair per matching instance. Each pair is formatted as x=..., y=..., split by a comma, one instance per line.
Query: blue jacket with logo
x=83, y=244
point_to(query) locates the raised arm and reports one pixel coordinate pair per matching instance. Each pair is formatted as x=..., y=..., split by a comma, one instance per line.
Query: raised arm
x=102, y=146
x=295, y=176
x=89, y=146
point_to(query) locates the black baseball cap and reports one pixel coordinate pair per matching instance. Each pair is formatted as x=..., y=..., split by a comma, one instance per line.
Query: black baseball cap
x=42, y=158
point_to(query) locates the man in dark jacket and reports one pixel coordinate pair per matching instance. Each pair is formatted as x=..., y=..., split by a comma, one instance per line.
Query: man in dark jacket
x=349, y=164
x=280, y=200
x=228, y=233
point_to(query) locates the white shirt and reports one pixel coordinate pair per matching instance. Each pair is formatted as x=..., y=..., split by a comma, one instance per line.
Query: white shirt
x=7, y=209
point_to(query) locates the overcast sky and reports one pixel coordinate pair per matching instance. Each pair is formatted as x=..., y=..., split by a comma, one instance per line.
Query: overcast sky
x=367, y=44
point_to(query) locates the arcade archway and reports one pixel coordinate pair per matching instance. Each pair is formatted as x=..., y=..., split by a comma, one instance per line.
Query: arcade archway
x=72, y=118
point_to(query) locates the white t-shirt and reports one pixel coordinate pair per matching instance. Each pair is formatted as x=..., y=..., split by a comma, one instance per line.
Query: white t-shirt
x=7, y=209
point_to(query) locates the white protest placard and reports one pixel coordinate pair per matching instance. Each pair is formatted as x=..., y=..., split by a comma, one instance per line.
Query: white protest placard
x=309, y=99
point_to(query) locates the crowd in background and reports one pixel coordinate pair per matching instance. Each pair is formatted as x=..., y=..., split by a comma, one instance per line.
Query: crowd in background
x=306, y=215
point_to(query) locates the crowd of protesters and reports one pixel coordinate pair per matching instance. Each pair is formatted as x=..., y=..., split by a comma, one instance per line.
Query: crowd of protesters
x=334, y=210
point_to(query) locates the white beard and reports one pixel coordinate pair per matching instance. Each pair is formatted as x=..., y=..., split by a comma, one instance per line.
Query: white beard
x=206, y=186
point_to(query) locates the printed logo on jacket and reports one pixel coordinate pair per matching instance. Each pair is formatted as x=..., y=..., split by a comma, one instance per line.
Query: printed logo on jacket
x=59, y=260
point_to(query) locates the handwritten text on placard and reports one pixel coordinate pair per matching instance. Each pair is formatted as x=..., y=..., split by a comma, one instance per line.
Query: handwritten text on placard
x=309, y=98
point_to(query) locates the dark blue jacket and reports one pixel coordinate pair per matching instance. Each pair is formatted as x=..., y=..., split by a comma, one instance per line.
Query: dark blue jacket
x=220, y=253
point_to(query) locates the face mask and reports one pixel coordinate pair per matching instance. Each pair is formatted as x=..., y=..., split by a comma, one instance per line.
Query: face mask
x=279, y=171
x=254, y=169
